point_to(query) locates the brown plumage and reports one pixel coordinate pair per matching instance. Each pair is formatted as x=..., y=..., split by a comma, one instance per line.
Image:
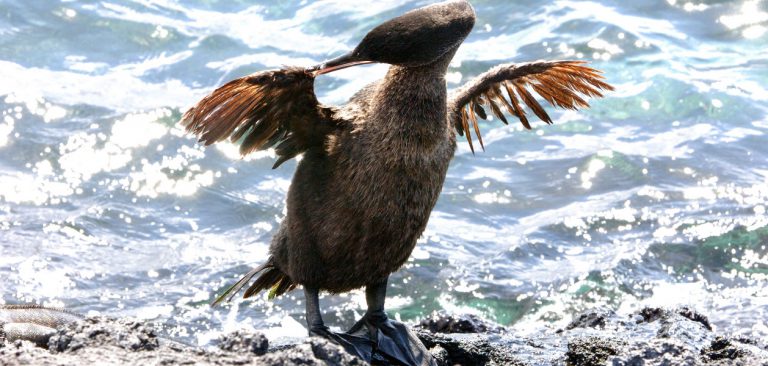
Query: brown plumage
x=558, y=82
x=279, y=108
x=373, y=169
x=267, y=109
x=350, y=188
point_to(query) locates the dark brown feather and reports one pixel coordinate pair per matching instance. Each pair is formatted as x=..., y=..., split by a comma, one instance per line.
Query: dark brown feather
x=465, y=127
x=531, y=102
x=497, y=93
x=271, y=277
x=561, y=83
x=472, y=117
x=478, y=109
x=566, y=98
x=516, y=105
x=494, y=98
x=261, y=111
x=230, y=292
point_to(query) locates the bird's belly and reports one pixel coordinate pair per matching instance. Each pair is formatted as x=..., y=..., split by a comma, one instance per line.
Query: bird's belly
x=392, y=207
x=365, y=222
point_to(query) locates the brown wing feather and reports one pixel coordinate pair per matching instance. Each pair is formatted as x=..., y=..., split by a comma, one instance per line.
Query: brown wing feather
x=563, y=84
x=263, y=110
x=531, y=102
x=519, y=112
x=476, y=107
x=465, y=127
x=493, y=96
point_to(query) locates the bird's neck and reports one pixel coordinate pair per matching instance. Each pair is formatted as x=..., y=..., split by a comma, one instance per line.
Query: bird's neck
x=411, y=102
x=409, y=107
x=416, y=93
x=434, y=70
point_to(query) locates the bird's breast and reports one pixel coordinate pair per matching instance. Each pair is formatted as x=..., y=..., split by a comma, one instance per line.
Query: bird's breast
x=397, y=174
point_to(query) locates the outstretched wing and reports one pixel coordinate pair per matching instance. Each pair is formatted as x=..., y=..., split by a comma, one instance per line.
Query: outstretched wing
x=563, y=84
x=275, y=108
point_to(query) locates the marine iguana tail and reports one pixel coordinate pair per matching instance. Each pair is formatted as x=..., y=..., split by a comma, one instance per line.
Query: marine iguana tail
x=33, y=323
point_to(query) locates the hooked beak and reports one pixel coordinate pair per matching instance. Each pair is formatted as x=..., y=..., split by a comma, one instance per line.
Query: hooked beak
x=338, y=63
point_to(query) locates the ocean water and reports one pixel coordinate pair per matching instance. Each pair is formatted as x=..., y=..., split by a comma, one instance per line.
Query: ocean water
x=654, y=196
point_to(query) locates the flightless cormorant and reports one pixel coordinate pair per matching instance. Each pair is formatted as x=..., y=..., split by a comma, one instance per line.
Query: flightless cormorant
x=373, y=169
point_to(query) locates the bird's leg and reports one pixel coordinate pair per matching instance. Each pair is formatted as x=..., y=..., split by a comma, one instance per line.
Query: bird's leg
x=391, y=339
x=314, y=318
x=361, y=347
x=374, y=297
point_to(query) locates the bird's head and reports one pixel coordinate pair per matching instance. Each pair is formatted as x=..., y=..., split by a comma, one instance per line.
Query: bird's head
x=416, y=38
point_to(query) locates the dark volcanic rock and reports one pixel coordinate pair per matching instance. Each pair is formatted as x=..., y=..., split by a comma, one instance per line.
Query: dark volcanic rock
x=695, y=316
x=244, y=342
x=653, y=314
x=591, y=350
x=651, y=336
x=314, y=351
x=440, y=322
x=94, y=332
x=722, y=349
x=118, y=342
x=597, y=318
x=657, y=352
x=460, y=349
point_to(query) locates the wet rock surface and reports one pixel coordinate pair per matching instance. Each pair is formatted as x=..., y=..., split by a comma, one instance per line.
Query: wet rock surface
x=651, y=336
x=94, y=332
x=440, y=322
x=244, y=342
x=118, y=341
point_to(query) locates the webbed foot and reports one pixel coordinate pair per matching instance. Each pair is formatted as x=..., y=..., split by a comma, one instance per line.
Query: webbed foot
x=392, y=340
x=362, y=347
x=374, y=338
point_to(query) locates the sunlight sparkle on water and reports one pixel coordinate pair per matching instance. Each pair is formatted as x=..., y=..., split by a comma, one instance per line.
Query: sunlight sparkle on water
x=38, y=106
x=160, y=178
x=81, y=157
x=29, y=189
x=748, y=19
x=138, y=129
x=603, y=45
x=160, y=32
x=86, y=154
x=37, y=277
x=491, y=197
x=6, y=128
x=595, y=166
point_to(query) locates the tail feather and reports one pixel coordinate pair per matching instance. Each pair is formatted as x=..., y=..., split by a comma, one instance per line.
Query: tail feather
x=271, y=278
x=268, y=279
x=284, y=286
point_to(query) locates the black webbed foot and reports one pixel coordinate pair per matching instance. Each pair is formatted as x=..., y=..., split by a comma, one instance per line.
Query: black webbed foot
x=362, y=347
x=392, y=340
x=374, y=338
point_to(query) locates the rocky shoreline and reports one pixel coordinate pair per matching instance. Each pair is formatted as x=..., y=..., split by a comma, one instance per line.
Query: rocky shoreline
x=651, y=336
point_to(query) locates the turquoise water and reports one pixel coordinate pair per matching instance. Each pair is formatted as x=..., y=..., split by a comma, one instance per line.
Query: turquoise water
x=655, y=196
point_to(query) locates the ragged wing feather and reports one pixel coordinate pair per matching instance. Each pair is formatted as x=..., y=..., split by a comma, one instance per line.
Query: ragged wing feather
x=564, y=84
x=268, y=109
